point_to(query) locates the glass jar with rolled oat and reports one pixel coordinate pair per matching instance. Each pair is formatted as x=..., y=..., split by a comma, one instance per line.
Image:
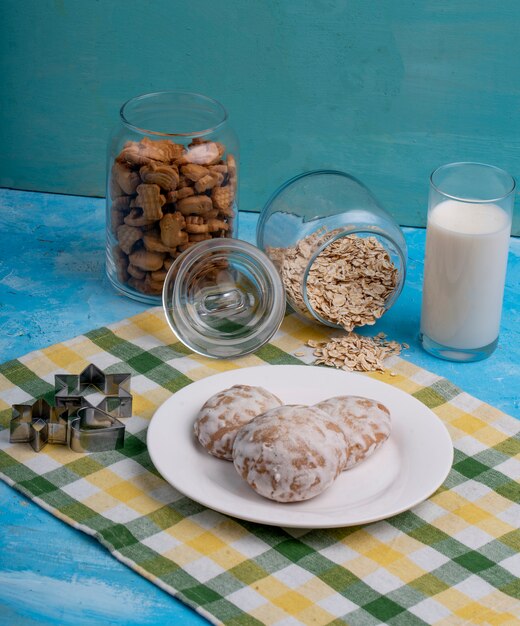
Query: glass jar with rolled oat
x=172, y=182
x=342, y=258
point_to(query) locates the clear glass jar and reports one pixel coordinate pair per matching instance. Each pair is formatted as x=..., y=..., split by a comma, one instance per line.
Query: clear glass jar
x=341, y=257
x=223, y=298
x=172, y=182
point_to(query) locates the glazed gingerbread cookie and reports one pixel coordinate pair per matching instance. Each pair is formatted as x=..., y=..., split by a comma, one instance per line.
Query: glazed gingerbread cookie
x=290, y=453
x=364, y=422
x=225, y=412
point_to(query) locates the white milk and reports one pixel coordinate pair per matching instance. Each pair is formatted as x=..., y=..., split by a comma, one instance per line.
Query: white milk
x=464, y=274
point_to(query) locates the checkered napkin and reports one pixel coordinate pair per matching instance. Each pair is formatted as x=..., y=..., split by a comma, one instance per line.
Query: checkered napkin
x=451, y=560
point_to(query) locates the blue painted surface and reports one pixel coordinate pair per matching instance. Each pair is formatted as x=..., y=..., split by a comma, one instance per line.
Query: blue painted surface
x=52, y=288
x=385, y=90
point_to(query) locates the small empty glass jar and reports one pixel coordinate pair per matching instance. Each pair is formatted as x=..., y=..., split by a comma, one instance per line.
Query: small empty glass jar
x=172, y=182
x=223, y=298
x=341, y=257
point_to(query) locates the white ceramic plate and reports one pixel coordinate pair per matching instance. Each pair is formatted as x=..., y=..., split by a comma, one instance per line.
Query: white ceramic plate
x=406, y=470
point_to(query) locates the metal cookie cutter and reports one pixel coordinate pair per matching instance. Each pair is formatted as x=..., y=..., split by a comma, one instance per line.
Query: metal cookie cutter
x=39, y=423
x=108, y=392
x=95, y=430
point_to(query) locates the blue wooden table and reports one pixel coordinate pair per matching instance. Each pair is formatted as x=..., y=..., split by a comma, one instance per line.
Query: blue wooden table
x=52, y=288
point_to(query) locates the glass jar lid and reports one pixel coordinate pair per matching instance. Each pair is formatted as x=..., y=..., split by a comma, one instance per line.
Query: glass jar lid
x=223, y=298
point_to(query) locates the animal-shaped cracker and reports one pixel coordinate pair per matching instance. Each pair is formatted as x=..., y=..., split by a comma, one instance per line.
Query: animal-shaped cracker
x=125, y=178
x=146, y=260
x=172, y=233
x=166, y=176
x=136, y=218
x=194, y=205
x=221, y=168
x=153, y=242
x=146, y=150
x=179, y=194
x=215, y=225
x=208, y=182
x=194, y=172
x=196, y=224
x=207, y=153
x=149, y=198
x=223, y=198
x=128, y=236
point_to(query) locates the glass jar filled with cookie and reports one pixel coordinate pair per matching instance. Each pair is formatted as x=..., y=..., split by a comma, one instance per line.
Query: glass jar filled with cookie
x=172, y=182
x=341, y=257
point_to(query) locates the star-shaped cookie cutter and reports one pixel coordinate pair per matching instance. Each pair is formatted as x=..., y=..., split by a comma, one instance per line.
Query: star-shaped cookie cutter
x=93, y=388
x=94, y=430
x=39, y=423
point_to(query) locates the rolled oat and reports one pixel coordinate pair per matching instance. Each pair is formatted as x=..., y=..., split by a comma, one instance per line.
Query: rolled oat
x=355, y=353
x=349, y=282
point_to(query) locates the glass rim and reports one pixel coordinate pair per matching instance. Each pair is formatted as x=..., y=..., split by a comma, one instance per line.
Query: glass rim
x=173, y=92
x=470, y=200
x=401, y=255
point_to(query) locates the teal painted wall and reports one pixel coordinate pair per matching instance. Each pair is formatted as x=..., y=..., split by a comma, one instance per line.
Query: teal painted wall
x=386, y=90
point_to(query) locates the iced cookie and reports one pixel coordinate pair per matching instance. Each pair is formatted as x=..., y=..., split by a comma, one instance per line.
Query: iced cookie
x=289, y=454
x=224, y=413
x=364, y=422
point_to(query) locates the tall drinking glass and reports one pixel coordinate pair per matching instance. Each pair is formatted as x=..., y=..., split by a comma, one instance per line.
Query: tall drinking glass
x=467, y=239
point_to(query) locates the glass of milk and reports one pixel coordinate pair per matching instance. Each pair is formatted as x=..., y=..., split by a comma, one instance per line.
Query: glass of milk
x=467, y=238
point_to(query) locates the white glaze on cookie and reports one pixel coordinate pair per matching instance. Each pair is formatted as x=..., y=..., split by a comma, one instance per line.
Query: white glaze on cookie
x=290, y=453
x=224, y=413
x=364, y=422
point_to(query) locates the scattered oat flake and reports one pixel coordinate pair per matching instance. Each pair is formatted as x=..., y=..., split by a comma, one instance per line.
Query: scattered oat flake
x=354, y=352
x=299, y=354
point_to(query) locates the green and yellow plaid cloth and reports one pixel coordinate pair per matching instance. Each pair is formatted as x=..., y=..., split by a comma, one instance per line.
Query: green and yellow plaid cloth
x=451, y=560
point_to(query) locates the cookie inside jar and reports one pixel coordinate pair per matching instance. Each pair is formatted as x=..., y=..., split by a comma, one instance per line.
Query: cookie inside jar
x=163, y=202
x=172, y=182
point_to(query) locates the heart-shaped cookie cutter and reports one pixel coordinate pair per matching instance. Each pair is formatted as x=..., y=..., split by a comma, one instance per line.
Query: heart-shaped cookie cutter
x=94, y=430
